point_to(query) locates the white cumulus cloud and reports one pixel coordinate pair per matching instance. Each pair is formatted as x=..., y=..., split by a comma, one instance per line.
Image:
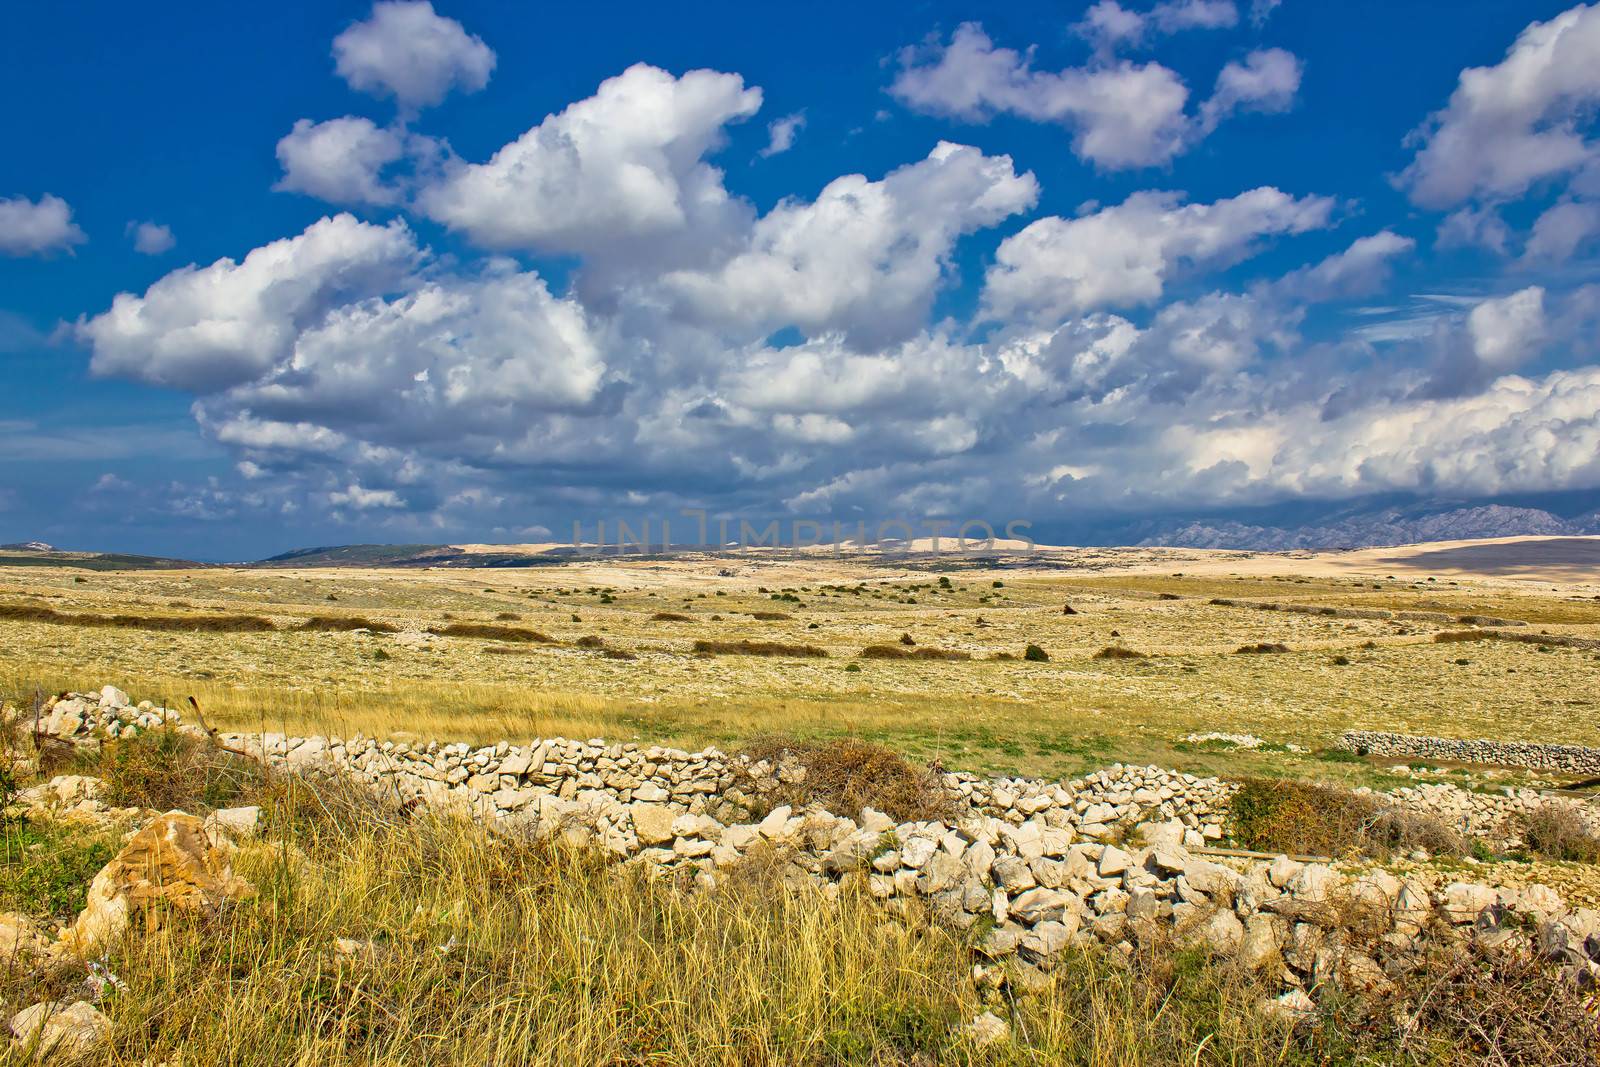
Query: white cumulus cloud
x=406, y=50
x=1121, y=114
x=1124, y=255
x=151, y=238
x=35, y=227
x=1517, y=123
x=198, y=328
x=340, y=161
x=624, y=164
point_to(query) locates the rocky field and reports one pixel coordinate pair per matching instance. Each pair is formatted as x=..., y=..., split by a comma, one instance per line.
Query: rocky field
x=798, y=813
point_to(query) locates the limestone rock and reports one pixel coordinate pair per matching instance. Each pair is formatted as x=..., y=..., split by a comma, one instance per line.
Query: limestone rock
x=171, y=862
x=652, y=823
x=21, y=939
x=50, y=1026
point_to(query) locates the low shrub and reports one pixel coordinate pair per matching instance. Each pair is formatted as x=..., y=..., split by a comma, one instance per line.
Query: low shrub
x=770, y=616
x=168, y=769
x=1260, y=648
x=1277, y=815
x=1119, y=652
x=671, y=616
x=758, y=648
x=1035, y=654
x=491, y=632
x=897, y=652
x=337, y=623
x=846, y=775
x=167, y=623
x=1558, y=831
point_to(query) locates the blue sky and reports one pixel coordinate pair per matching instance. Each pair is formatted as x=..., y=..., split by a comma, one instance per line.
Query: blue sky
x=472, y=271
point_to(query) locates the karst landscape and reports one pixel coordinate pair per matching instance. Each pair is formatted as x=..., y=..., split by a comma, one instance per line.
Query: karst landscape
x=800, y=535
x=791, y=806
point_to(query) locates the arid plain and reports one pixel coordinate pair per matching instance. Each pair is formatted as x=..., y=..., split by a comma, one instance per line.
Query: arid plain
x=607, y=647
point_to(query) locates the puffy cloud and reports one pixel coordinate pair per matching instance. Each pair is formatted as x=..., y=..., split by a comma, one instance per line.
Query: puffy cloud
x=1361, y=269
x=1121, y=114
x=454, y=358
x=1517, y=435
x=151, y=238
x=35, y=227
x=1124, y=255
x=407, y=51
x=340, y=161
x=1469, y=227
x=1514, y=124
x=1266, y=81
x=621, y=166
x=201, y=328
x=1561, y=229
x=781, y=133
x=1495, y=337
x=865, y=258
x=1107, y=24
x=1507, y=330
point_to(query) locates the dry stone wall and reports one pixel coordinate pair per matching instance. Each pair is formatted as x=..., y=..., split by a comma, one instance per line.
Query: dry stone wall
x=1114, y=858
x=1575, y=759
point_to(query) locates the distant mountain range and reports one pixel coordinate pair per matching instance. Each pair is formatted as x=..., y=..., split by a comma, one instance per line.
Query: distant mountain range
x=1376, y=529
x=1347, y=529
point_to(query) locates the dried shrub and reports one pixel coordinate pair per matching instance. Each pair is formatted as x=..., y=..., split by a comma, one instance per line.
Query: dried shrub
x=1559, y=831
x=169, y=769
x=770, y=616
x=1466, y=1005
x=590, y=641
x=758, y=648
x=1544, y=641
x=1260, y=648
x=491, y=632
x=846, y=775
x=166, y=623
x=507, y=616
x=1068, y=609
x=1277, y=815
x=1119, y=652
x=671, y=616
x=897, y=652
x=617, y=653
x=1453, y=636
x=339, y=623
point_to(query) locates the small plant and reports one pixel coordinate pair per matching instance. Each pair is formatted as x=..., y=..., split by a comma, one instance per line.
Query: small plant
x=1559, y=831
x=1260, y=648
x=1119, y=652
x=1035, y=654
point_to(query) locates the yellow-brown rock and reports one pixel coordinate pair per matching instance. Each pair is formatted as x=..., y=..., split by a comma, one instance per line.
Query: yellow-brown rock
x=171, y=863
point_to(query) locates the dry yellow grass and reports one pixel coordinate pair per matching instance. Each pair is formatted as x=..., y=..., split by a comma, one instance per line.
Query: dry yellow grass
x=1055, y=718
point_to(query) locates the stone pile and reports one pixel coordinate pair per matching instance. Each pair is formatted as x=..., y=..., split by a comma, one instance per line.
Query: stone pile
x=109, y=713
x=1575, y=759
